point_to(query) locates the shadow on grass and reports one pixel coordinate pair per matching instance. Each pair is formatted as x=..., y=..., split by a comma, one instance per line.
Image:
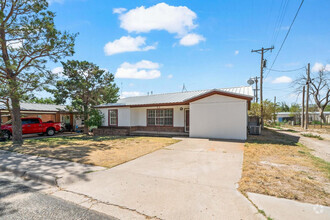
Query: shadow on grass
x=76, y=149
x=68, y=139
x=273, y=137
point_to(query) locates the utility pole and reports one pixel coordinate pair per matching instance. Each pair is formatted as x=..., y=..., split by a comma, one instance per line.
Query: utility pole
x=0, y=120
x=307, y=95
x=184, y=88
x=303, y=108
x=262, y=65
x=256, y=80
x=274, y=117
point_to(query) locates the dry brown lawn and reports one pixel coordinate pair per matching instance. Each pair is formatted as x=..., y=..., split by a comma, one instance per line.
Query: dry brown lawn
x=277, y=165
x=99, y=151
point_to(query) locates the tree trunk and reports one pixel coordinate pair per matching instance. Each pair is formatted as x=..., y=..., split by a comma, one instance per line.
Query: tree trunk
x=86, y=128
x=321, y=110
x=16, y=121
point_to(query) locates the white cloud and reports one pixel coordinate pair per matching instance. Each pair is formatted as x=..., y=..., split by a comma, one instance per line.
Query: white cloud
x=176, y=20
x=58, y=70
x=130, y=94
x=118, y=10
x=229, y=65
x=127, y=44
x=236, y=52
x=15, y=44
x=170, y=76
x=191, y=39
x=319, y=66
x=282, y=79
x=131, y=84
x=55, y=1
x=144, y=69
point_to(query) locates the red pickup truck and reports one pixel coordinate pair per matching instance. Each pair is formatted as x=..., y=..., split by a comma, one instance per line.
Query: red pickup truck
x=32, y=126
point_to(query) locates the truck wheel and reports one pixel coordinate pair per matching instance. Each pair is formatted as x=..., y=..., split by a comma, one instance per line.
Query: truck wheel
x=50, y=131
x=6, y=135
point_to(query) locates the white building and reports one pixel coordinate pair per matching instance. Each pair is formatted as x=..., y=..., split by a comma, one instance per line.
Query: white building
x=313, y=116
x=216, y=113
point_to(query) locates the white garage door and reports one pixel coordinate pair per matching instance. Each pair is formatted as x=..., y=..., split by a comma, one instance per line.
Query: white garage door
x=219, y=116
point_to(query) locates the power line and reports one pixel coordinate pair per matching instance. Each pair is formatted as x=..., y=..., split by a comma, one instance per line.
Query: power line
x=286, y=70
x=286, y=36
x=281, y=13
x=281, y=21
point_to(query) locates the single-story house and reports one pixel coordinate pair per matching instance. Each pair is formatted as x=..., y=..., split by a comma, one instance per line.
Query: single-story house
x=47, y=112
x=296, y=117
x=215, y=113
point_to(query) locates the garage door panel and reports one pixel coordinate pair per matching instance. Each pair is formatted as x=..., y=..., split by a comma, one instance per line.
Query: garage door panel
x=218, y=120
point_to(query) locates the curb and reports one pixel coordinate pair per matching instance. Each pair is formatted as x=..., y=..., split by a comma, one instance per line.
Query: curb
x=51, y=180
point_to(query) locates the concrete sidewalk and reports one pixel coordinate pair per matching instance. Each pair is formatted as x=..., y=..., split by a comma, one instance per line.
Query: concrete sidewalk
x=285, y=209
x=44, y=169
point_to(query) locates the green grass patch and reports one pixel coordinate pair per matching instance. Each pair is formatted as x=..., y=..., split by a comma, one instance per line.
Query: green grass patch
x=310, y=135
x=318, y=162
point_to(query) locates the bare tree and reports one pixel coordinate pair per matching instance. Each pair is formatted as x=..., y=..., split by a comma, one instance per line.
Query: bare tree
x=319, y=89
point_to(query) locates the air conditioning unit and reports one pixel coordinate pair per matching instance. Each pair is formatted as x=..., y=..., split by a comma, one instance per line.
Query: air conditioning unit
x=254, y=130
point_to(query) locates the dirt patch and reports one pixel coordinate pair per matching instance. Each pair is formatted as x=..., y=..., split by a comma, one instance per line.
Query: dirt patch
x=99, y=151
x=277, y=165
x=324, y=129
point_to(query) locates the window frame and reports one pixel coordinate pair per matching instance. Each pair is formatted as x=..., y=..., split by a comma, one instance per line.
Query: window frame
x=164, y=117
x=109, y=118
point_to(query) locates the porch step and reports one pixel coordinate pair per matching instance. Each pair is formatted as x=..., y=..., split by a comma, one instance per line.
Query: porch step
x=159, y=134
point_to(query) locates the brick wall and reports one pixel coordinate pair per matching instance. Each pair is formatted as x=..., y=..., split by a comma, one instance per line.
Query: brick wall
x=109, y=131
x=124, y=131
x=4, y=119
x=44, y=117
x=157, y=128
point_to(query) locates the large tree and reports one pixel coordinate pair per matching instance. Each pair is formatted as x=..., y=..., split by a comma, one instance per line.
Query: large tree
x=47, y=100
x=28, y=39
x=319, y=85
x=283, y=107
x=85, y=85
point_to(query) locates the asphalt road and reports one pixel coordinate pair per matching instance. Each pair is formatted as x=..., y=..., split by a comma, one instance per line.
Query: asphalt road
x=18, y=201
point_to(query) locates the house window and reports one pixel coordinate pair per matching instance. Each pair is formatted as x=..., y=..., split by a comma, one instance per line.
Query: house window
x=113, y=117
x=160, y=117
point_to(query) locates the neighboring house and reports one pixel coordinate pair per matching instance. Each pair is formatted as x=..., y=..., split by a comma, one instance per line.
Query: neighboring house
x=216, y=113
x=296, y=117
x=47, y=112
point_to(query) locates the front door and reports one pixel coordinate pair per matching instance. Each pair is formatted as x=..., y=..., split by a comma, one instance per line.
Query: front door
x=186, y=119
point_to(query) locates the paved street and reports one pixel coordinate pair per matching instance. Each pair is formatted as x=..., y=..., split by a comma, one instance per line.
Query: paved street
x=19, y=201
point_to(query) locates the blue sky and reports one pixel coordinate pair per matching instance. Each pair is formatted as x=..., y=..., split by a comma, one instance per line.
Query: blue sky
x=157, y=45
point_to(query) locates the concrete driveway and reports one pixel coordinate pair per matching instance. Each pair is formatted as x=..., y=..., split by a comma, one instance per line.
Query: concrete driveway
x=193, y=179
